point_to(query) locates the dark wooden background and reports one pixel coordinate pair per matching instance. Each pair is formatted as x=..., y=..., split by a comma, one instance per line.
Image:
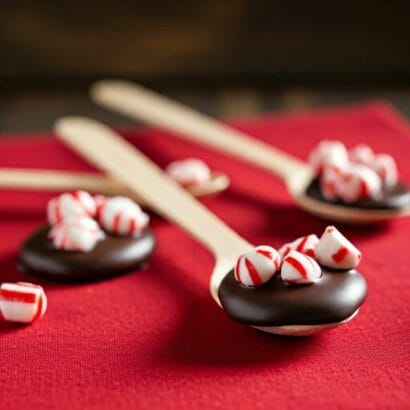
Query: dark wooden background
x=226, y=57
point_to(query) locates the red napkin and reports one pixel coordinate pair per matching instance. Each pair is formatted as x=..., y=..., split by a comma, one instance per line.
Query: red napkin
x=156, y=339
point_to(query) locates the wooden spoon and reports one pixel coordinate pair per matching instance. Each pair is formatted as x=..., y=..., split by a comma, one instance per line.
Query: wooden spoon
x=138, y=102
x=53, y=180
x=107, y=150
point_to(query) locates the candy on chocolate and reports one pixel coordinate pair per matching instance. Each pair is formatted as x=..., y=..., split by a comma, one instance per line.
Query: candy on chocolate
x=191, y=171
x=69, y=204
x=385, y=166
x=79, y=247
x=112, y=256
x=122, y=216
x=256, y=267
x=334, y=250
x=335, y=297
x=328, y=153
x=22, y=302
x=304, y=244
x=330, y=182
x=361, y=154
x=355, y=177
x=358, y=182
x=76, y=234
x=298, y=268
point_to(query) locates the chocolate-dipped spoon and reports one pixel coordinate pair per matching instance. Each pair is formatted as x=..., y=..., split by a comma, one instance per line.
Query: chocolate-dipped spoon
x=142, y=104
x=54, y=180
x=107, y=150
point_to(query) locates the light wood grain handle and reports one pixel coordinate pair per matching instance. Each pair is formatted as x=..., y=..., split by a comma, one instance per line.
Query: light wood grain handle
x=53, y=180
x=145, y=105
x=110, y=152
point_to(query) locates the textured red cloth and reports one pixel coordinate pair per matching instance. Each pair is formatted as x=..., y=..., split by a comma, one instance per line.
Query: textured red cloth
x=156, y=339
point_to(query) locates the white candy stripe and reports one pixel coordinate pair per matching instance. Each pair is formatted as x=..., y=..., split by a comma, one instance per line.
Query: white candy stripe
x=334, y=250
x=299, y=268
x=121, y=216
x=19, y=287
x=189, y=171
x=17, y=311
x=257, y=266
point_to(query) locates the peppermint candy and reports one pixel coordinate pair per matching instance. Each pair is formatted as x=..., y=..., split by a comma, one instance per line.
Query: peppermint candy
x=331, y=181
x=298, y=268
x=22, y=302
x=121, y=216
x=328, y=153
x=190, y=171
x=70, y=204
x=304, y=244
x=76, y=234
x=334, y=250
x=257, y=266
x=358, y=182
x=361, y=154
x=385, y=166
x=352, y=175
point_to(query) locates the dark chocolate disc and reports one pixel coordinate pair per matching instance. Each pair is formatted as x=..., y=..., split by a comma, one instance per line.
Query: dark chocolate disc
x=334, y=298
x=112, y=256
x=395, y=197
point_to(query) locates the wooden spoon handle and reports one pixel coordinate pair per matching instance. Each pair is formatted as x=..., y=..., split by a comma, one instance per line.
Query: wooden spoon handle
x=110, y=152
x=145, y=105
x=53, y=180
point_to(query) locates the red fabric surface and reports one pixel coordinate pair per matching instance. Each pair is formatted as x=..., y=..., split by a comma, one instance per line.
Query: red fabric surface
x=155, y=338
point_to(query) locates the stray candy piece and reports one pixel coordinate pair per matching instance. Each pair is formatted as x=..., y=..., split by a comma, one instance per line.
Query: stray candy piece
x=121, y=216
x=299, y=268
x=358, y=182
x=22, y=302
x=385, y=166
x=361, y=154
x=76, y=234
x=70, y=204
x=256, y=267
x=304, y=244
x=334, y=250
x=328, y=153
x=190, y=171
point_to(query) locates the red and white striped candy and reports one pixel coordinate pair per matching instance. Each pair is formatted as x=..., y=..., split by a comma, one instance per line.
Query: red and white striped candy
x=328, y=153
x=190, y=171
x=122, y=216
x=22, y=302
x=358, y=182
x=331, y=181
x=256, y=267
x=76, y=234
x=299, y=268
x=361, y=154
x=385, y=166
x=334, y=250
x=69, y=204
x=304, y=244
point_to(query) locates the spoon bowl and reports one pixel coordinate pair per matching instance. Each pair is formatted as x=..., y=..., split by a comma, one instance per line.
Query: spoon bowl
x=142, y=104
x=107, y=150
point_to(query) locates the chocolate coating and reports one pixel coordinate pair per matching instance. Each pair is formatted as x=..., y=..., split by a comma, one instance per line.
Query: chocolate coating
x=334, y=298
x=112, y=256
x=395, y=197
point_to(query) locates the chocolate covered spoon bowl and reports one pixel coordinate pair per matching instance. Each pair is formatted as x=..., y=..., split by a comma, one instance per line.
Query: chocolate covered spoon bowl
x=142, y=104
x=109, y=152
